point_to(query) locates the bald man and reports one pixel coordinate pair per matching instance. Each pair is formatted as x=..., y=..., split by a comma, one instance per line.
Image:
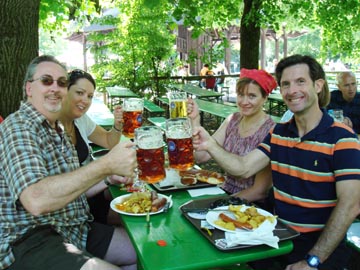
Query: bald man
x=348, y=99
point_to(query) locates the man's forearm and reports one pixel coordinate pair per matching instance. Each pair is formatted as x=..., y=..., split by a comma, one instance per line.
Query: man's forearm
x=55, y=192
x=231, y=163
x=335, y=230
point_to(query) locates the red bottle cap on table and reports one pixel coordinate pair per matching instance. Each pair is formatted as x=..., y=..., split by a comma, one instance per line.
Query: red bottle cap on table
x=162, y=243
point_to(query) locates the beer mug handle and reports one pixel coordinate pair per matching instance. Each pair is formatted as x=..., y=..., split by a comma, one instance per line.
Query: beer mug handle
x=138, y=185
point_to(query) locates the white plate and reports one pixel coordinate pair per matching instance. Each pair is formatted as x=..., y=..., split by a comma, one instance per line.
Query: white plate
x=122, y=198
x=212, y=216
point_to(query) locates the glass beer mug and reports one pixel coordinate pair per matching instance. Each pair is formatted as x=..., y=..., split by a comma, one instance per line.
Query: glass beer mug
x=179, y=143
x=150, y=154
x=177, y=104
x=133, y=109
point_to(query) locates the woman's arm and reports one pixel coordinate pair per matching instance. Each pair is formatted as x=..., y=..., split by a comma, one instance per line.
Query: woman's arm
x=108, y=139
x=219, y=135
x=261, y=187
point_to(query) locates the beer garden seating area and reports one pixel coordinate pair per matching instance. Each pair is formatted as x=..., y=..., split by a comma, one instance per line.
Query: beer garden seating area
x=214, y=106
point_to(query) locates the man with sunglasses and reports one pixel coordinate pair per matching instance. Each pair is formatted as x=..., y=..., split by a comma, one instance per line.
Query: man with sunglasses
x=45, y=221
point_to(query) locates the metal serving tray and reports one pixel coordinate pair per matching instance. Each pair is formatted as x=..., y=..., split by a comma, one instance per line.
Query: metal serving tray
x=281, y=230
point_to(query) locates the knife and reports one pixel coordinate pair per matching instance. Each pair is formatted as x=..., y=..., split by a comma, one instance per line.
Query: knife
x=167, y=204
x=199, y=210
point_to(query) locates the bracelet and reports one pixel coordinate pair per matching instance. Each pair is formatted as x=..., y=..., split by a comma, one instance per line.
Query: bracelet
x=117, y=130
x=107, y=182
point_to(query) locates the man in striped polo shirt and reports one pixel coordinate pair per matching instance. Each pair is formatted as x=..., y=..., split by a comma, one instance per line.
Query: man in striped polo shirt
x=315, y=168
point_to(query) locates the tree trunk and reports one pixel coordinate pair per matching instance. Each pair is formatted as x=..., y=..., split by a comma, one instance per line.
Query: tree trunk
x=228, y=49
x=249, y=46
x=19, y=44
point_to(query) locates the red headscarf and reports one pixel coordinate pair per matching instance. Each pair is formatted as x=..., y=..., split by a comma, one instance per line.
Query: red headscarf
x=264, y=79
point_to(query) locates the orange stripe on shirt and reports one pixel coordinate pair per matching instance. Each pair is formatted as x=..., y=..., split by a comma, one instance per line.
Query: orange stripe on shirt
x=301, y=174
x=348, y=145
x=298, y=202
x=326, y=149
x=304, y=229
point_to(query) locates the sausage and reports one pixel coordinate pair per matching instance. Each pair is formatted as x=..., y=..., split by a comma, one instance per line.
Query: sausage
x=157, y=204
x=154, y=195
x=237, y=224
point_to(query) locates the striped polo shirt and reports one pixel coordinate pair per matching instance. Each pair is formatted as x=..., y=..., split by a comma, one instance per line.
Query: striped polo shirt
x=304, y=170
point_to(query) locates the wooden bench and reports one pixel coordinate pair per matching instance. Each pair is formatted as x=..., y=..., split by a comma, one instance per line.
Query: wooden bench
x=152, y=109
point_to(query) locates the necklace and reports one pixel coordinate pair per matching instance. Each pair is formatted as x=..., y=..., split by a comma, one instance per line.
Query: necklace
x=248, y=129
x=71, y=132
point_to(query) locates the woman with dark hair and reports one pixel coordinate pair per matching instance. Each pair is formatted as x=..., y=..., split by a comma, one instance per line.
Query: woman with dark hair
x=81, y=129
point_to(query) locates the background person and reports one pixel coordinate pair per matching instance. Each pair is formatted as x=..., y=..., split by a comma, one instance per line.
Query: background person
x=203, y=71
x=347, y=99
x=241, y=132
x=42, y=187
x=210, y=81
x=81, y=130
x=315, y=166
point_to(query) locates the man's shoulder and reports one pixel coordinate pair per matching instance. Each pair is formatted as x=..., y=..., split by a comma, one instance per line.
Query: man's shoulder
x=335, y=94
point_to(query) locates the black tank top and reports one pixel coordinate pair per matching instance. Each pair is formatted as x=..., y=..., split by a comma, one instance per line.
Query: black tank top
x=81, y=147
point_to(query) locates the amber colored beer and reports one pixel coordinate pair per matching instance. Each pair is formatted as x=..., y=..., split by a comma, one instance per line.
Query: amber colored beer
x=151, y=164
x=178, y=108
x=181, y=153
x=132, y=120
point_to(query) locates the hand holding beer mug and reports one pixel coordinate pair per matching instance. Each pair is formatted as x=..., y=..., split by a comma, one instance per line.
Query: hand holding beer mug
x=150, y=154
x=132, y=115
x=177, y=104
x=179, y=142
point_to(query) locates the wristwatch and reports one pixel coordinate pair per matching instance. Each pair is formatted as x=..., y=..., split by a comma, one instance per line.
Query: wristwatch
x=312, y=260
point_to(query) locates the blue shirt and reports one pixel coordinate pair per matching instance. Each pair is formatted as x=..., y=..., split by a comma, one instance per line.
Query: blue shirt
x=305, y=170
x=31, y=150
x=350, y=109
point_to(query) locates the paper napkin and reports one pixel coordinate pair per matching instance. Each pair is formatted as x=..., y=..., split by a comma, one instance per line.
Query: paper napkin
x=205, y=191
x=262, y=235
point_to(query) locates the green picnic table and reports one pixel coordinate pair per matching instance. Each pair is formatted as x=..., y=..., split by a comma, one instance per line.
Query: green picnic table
x=100, y=114
x=193, y=90
x=115, y=93
x=185, y=247
x=277, y=105
x=152, y=109
x=217, y=109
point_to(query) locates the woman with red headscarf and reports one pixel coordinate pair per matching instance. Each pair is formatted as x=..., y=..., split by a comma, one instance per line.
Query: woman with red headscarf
x=242, y=131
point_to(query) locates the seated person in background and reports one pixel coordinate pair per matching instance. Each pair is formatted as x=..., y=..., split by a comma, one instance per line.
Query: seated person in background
x=347, y=99
x=210, y=81
x=203, y=71
x=241, y=132
x=80, y=129
x=45, y=219
x=315, y=166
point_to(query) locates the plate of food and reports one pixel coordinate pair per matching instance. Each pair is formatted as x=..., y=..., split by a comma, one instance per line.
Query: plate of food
x=140, y=203
x=191, y=177
x=237, y=218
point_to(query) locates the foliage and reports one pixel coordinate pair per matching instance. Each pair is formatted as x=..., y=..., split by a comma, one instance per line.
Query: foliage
x=337, y=22
x=138, y=50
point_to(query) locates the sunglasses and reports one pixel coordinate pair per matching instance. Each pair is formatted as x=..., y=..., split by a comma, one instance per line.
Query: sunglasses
x=78, y=74
x=48, y=80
